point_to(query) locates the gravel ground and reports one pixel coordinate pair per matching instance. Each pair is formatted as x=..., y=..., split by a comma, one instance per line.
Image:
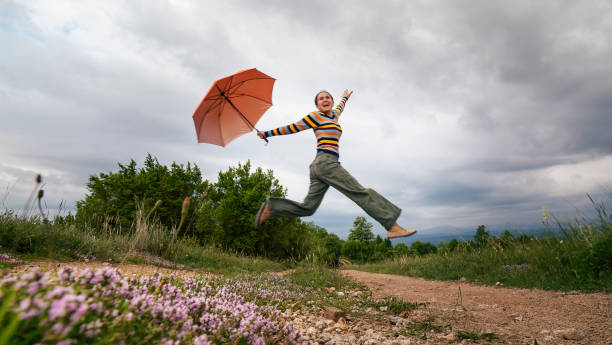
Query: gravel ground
x=446, y=309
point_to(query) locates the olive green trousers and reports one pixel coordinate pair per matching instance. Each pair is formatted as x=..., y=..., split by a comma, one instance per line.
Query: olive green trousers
x=326, y=171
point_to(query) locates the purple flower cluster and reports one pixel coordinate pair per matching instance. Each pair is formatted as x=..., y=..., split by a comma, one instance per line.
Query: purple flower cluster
x=8, y=259
x=86, y=257
x=78, y=305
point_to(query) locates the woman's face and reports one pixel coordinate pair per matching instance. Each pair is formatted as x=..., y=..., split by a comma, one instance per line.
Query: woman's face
x=325, y=103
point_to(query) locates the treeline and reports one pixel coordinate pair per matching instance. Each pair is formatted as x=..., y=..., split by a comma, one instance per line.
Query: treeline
x=363, y=247
x=221, y=214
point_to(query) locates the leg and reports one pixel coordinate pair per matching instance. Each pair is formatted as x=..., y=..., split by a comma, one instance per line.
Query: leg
x=280, y=207
x=369, y=200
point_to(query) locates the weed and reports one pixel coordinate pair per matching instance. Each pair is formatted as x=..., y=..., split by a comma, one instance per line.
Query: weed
x=32, y=238
x=578, y=256
x=393, y=305
x=319, y=276
x=421, y=328
x=477, y=336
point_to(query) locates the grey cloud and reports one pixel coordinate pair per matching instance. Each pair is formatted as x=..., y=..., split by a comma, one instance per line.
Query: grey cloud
x=200, y=39
x=452, y=193
x=534, y=61
x=464, y=92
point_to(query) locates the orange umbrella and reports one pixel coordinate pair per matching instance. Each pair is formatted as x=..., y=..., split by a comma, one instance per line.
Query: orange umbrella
x=232, y=106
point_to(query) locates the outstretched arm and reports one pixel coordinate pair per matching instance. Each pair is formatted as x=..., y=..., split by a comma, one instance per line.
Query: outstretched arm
x=306, y=122
x=345, y=96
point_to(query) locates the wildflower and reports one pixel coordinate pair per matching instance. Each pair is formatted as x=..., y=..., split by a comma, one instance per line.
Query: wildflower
x=78, y=313
x=233, y=305
x=544, y=214
x=58, y=328
x=128, y=317
x=96, y=307
x=8, y=259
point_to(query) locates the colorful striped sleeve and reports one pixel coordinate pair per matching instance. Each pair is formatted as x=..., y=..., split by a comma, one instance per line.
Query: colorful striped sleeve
x=340, y=106
x=307, y=122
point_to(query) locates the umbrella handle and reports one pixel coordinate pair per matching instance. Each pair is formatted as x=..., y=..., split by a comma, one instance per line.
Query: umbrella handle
x=264, y=138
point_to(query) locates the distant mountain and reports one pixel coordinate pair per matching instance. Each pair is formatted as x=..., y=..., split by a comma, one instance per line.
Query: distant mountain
x=446, y=233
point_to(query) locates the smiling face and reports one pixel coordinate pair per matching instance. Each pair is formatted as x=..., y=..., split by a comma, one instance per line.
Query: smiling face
x=324, y=102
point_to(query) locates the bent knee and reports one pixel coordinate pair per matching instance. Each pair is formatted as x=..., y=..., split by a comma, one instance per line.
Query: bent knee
x=309, y=208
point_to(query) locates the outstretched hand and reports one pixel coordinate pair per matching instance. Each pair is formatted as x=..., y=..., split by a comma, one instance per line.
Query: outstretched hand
x=347, y=93
x=261, y=135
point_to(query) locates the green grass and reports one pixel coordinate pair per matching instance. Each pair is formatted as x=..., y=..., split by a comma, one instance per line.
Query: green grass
x=149, y=242
x=421, y=328
x=477, y=336
x=578, y=259
x=394, y=305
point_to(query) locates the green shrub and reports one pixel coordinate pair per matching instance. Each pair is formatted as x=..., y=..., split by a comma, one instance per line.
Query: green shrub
x=115, y=196
x=229, y=217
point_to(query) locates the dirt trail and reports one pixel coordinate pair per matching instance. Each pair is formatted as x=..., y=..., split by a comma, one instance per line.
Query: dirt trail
x=517, y=316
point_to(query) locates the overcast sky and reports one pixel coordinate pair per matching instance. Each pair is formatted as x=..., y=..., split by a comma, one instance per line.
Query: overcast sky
x=463, y=112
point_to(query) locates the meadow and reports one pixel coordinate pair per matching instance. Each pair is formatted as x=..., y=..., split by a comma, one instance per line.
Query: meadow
x=243, y=303
x=576, y=255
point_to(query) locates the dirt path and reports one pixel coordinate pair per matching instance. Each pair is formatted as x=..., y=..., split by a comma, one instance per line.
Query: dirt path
x=517, y=316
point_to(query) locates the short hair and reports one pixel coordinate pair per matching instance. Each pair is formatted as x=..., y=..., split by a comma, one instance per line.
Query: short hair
x=318, y=93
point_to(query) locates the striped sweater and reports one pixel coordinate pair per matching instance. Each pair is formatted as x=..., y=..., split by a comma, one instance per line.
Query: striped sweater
x=327, y=130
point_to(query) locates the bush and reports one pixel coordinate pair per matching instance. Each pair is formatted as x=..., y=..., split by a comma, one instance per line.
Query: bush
x=401, y=249
x=421, y=248
x=228, y=219
x=116, y=195
x=333, y=249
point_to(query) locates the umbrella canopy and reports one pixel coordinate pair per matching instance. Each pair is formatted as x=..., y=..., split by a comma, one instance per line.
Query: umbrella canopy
x=232, y=106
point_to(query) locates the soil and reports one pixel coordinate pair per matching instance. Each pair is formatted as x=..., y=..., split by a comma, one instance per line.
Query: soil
x=516, y=316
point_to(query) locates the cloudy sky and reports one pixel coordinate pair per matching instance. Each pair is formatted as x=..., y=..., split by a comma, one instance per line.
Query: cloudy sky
x=464, y=112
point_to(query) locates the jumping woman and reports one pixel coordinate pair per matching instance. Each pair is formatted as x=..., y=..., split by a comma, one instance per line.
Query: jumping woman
x=326, y=171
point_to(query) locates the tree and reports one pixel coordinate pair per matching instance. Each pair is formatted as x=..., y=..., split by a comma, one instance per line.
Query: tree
x=401, y=249
x=117, y=195
x=361, y=251
x=481, y=237
x=361, y=230
x=333, y=249
x=327, y=247
x=228, y=220
x=422, y=248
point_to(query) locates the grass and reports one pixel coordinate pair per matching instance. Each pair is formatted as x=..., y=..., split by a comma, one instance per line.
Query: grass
x=578, y=259
x=477, y=336
x=421, y=328
x=393, y=305
x=33, y=238
x=106, y=307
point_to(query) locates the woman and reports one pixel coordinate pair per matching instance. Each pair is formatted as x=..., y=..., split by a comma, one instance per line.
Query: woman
x=326, y=171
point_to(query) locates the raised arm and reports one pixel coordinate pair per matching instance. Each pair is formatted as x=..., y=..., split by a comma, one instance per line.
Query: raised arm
x=340, y=107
